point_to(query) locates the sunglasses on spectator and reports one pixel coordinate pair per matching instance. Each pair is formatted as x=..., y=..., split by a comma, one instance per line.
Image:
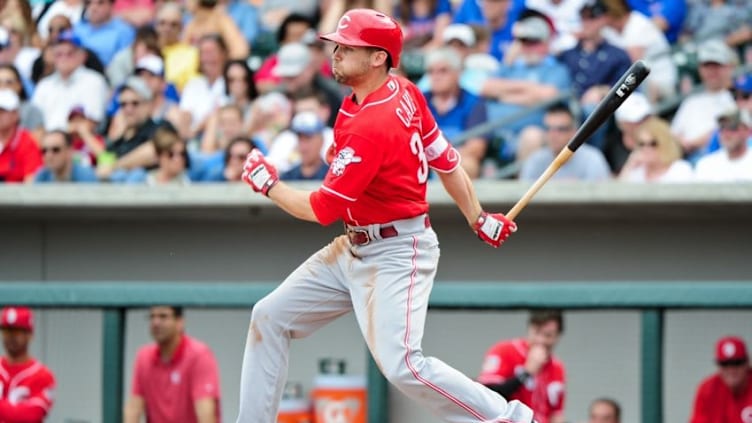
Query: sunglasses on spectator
x=171, y=24
x=529, y=41
x=8, y=81
x=59, y=28
x=732, y=363
x=54, y=150
x=651, y=143
x=444, y=69
x=133, y=103
x=560, y=128
x=742, y=95
x=729, y=126
x=173, y=154
x=239, y=156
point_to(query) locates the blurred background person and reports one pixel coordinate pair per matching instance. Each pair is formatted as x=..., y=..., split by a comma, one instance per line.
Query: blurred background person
x=725, y=396
x=560, y=126
x=124, y=62
x=59, y=166
x=87, y=142
x=102, y=32
x=292, y=30
x=455, y=109
x=154, y=395
x=72, y=84
x=73, y=10
x=22, y=48
x=28, y=385
x=526, y=369
x=642, y=40
x=733, y=161
x=656, y=157
x=309, y=128
x=635, y=110
x=20, y=157
x=31, y=117
x=207, y=18
x=696, y=119
x=423, y=22
x=234, y=157
x=173, y=161
x=604, y=410
x=181, y=59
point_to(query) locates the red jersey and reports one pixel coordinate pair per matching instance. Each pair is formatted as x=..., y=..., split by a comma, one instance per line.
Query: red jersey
x=715, y=403
x=543, y=393
x=19, y=157
x=170, y=389
x=26, y=391
x=383, y=148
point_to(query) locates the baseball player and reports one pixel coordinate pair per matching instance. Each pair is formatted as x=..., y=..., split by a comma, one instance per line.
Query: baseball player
x=526, y=368
x=26, y=385
x=383, y=267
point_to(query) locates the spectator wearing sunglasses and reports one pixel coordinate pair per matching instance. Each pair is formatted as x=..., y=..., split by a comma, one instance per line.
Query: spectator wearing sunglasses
x=733, y=161
x=742, y=92
x=57, y=152
x=656, y=157
x=726, y=396
x=172, y=161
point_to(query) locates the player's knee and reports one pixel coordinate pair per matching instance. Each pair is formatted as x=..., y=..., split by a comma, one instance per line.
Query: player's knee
x=403, y=370
x=262, y=315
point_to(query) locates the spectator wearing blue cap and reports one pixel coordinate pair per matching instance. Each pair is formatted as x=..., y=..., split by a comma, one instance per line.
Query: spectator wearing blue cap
x=70, y=85
x=309, y=128
x=102, y=32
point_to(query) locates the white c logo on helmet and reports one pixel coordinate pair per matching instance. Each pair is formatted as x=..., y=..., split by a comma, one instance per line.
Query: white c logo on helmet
x=344, y=22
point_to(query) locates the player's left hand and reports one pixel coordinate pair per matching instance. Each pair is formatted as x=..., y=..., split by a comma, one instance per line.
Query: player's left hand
x=258, y=173
x=494, y=228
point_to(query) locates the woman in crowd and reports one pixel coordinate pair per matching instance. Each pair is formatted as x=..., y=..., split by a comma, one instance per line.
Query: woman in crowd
x=656, y=157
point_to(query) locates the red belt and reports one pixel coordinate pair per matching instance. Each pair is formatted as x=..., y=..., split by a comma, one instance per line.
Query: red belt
x=362, y=237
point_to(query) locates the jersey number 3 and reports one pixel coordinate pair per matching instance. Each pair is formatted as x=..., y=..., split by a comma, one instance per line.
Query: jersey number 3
x=416, y=146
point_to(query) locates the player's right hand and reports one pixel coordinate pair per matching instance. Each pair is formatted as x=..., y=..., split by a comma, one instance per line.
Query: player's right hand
x=258, y=173
x=494, y=228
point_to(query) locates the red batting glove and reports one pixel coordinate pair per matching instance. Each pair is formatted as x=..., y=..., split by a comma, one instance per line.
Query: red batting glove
x=493, y=228
x=258, y=173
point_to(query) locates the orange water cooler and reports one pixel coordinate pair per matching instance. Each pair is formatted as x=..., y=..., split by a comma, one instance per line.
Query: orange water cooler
x=338, y=397
x=294, y=408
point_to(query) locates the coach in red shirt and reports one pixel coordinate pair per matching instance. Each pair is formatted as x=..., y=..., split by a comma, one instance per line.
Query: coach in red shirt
x=526, y=369
x=175, y=379
x=726, y=397
x=19, y=153
x=26, y=385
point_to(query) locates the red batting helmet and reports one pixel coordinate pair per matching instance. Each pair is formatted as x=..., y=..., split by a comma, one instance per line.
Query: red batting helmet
x=369, y=28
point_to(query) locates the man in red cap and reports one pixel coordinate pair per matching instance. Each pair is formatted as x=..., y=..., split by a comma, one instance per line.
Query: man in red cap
x=26, y=385
x=726, y=397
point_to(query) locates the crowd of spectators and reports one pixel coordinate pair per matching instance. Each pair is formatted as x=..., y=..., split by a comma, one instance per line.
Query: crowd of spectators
x=171, y=92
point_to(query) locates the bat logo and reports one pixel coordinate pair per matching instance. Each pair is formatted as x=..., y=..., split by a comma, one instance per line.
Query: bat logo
x=626, y=87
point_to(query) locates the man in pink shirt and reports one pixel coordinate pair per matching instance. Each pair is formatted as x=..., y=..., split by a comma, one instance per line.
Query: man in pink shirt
x=175, y=379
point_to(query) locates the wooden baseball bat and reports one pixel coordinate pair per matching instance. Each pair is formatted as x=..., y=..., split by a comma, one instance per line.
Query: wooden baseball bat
x=626, y=85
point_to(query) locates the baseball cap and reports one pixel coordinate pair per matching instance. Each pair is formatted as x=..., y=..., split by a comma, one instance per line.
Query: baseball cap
x=307, y=123
x=533, y=28
x=634, y=109
x=593, y=9
x=68, y=36
x=311, y=38
x=715, y=51
x=138, y=86
x=150, y=63
x=292, y=59
x=732, y=115
x=17, y=318
x=730, y=348
x=80, y=110
x=743, y=83
x=9, y=100
x=460, y=32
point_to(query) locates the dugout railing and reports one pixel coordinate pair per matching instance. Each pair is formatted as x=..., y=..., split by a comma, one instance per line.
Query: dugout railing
x=651, y=299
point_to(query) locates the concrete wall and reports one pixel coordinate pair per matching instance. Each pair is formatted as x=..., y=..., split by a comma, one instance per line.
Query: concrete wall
x=572, y=232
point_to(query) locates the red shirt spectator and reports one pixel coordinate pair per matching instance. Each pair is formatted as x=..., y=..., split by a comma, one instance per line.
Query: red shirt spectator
x=177, y=378
x=726, y=397
x=19, y=153
x=525, y=369
x=26, y=385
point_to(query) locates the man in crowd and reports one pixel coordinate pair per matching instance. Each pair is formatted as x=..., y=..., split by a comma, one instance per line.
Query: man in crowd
x=19, y=154
x=102, y=32
x=176, y=379
x=26, y=385
x=57, y=149
x=733, y=162
x=526, y=369
x=605, y=410
x=310, y=131
x=726, y=397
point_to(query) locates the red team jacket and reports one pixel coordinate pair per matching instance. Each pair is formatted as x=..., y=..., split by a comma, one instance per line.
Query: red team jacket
x=544, y=393
x=715, y=403
x=25, y=391
x=19, y=157
x=382, y=153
